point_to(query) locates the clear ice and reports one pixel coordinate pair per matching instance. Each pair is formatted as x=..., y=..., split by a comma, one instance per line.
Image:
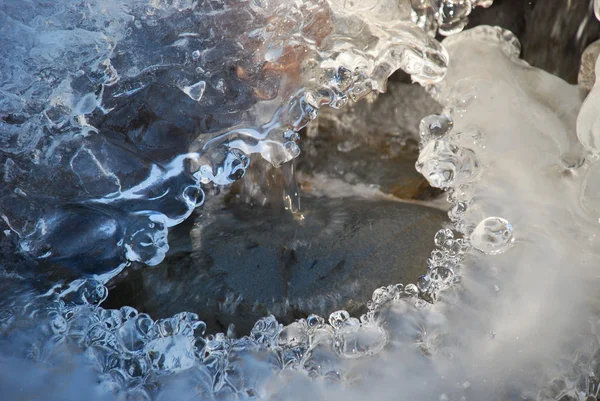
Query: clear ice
x=116, y=118
x=87, y=137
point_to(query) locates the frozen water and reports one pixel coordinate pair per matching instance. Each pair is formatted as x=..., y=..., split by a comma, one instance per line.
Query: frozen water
x=515, y=321
x=445, y=17
x=492, y=235
x=86, y=135
x=117, y=117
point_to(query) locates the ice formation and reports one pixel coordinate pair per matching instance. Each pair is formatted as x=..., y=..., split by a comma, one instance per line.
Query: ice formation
x=87, y=137
x=506, y=307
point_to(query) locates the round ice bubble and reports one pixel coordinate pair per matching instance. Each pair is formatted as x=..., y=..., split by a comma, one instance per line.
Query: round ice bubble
x=452, y=16
x=492, y=236
x=434, y=126
x=146, y=238
x=443, y=235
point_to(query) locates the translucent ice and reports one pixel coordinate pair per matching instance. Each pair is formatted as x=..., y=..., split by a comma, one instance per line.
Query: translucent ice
x=515, y=325
x=524, y=202
x=116, y=110
x=492, y=235
x=445, y=164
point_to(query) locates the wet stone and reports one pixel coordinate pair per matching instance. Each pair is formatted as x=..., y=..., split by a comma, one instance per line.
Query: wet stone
x=373, y=142
x=237, y=264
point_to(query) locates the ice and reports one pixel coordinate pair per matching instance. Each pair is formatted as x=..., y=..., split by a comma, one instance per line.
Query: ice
x=196, y=90
x=118, y=117
x=492, y=235
x=514, y=176
x=514, y=148
x=446, y=165
x=171, y=354
x=448, y=17
x=146, y=240
x=123, y=110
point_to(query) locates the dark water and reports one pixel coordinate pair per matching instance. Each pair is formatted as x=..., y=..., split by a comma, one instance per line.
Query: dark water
x=239, y=263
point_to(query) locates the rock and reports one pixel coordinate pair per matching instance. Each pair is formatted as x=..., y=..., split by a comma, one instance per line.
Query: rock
x=369, y=144
x=238, y=264
x=372, y=143
x=553, y=33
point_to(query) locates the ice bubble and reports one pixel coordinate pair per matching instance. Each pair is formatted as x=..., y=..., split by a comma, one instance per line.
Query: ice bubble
x=434, y=127
x=195, y=91
x=492, y=236
x=146, y=239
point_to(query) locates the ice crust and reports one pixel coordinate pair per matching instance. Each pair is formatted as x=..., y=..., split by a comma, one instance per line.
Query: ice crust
x=505, y=309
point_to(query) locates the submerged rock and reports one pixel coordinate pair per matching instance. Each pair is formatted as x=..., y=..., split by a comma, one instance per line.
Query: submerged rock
x=238, y=264
x=373, y=143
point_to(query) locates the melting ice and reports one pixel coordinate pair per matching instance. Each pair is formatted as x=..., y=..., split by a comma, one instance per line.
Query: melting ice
x=118, y=118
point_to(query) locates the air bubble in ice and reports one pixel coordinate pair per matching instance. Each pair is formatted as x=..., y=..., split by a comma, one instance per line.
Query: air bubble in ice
x=193, y=196
x=434, y=126
x=441, y=275
x=111, y=318
x=452, y=247
x=92, y=292
x=195, y=91
x=338, y=318
x=442, y=236
x=411, y=290
x=314, y=321
x=136, y=332
x=146, y=238
x=448, y=17
x=86, y=105
x=456, y=212
x=492, y=236
x=453, y=15
x=59, y=325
